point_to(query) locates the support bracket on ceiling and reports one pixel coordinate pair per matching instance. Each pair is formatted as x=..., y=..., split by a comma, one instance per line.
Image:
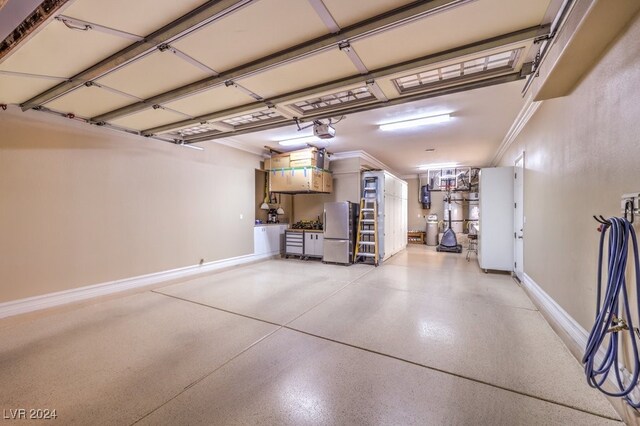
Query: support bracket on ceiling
x=188, y=59
x=230, y=83
x=80, y=25
x=345, y=47
x=325, y=15
x=376, y=91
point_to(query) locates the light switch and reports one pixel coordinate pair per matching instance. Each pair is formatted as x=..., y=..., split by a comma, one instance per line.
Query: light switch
x=241, y=216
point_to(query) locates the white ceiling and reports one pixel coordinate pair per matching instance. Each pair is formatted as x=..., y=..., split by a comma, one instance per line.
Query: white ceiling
x=480, y=120
x=261, y=28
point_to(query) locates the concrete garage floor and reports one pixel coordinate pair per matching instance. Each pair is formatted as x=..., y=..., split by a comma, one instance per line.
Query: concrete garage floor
x=427, y=338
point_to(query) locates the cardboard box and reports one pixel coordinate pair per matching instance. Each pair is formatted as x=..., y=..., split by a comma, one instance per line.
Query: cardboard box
x=316, y=180
x=309, y=154
x=280, y=161
x=310, y=162
x=296, y=180
x=327, y=182
x=303, y=154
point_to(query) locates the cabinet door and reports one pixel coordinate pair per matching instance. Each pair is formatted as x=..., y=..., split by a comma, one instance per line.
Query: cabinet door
x=273, y=239
x=319, y=244
x=260, y=244
x=309, y=243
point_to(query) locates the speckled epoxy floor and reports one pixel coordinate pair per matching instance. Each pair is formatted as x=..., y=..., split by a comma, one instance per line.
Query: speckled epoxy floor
x=427, y=338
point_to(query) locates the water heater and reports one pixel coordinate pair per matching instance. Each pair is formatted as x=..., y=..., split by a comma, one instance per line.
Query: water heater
x=425, y=196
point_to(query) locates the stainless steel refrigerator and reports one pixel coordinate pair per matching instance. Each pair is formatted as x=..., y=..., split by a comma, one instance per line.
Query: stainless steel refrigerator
x=340, y=221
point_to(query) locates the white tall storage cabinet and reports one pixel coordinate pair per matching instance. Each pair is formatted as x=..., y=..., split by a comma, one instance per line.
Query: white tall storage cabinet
x=392, y=212
x=495, y=236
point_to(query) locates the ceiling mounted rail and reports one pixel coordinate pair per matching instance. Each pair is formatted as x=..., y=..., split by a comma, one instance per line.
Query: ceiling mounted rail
x=192, y=21
x=367, y=107
x=383, y=22
x=451, y=54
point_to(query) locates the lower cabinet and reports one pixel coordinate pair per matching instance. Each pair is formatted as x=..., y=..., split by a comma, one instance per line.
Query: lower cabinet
x=313, y=244
x=293, y=243
x=266, y=239
x=304, y=244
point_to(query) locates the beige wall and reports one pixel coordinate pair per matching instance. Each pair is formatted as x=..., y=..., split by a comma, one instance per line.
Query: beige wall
x=581, y=155
x=417, y=215
x=416, y=220
x=346, y=187
x=83, y=205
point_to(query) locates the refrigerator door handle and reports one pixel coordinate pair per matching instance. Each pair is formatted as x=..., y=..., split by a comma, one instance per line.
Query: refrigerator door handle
x=324, y=220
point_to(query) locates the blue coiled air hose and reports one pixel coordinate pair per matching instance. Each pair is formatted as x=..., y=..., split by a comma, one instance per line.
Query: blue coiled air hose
x=613, y=316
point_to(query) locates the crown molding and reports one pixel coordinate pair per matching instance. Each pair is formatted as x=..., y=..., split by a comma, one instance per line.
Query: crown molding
x=529, y=108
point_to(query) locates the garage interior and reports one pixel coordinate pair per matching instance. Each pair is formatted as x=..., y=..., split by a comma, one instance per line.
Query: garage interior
x=177, y=177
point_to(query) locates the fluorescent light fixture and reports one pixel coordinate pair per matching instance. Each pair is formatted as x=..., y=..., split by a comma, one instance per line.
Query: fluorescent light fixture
x=299, y=141
x=438, y=166
x=434, y=119
x=184, y=145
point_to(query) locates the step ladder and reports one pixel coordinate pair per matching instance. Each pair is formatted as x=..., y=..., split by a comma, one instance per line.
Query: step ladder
x=367, y=239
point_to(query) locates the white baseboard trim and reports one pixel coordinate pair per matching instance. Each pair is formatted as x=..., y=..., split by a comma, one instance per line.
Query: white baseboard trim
x=560, y=319
x=50, y=300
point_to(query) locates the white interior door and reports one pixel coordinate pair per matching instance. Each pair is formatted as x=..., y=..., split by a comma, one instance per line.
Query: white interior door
x=518, y=218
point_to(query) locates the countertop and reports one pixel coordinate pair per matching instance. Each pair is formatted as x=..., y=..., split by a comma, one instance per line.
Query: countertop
x=307, y=230
x=271, y=224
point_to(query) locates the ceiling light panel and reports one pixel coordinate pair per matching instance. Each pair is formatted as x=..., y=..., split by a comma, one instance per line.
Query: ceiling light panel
x=140, y=17
x=15, y=89
x=216, y=99
x=477, y=67
x=153, y=74
x=477, y=20
x=341, y=99
x=304, y=140
x=232, y=41
x=310, y=71
x=147, y=119
x=89, y=101
x=416, y=122
x=198, y=129
x=62, y=52
x=257, y=117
